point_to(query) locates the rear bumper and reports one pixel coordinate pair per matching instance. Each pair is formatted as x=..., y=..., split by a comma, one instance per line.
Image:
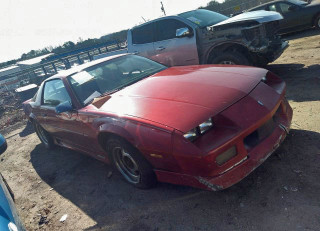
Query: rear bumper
x=240, y=170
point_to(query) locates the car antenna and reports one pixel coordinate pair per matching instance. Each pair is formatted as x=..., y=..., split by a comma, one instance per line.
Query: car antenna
x=143, y=19
x=162, y=9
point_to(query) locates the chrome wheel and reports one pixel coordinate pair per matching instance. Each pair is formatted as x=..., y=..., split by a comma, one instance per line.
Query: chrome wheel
x=228, y=62
x=42, y=135
x=127, y=166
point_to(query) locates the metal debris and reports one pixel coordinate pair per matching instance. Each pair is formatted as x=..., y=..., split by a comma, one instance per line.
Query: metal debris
x=63, y=218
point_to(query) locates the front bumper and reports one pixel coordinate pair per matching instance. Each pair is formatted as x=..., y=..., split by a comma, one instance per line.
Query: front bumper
x=255, y=157
x=273, y=51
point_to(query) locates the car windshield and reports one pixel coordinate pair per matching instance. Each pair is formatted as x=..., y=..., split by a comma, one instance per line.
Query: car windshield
x=203, y=18
x=111, y=76
x=298, y=2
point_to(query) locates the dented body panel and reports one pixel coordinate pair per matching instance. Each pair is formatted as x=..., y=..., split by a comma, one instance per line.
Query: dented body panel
x=253, y=34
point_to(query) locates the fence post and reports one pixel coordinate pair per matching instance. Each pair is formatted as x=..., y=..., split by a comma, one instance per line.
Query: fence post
x=90, y=58
x=44, y=70
x=79, y=60
x=67, y=63
x=54, y=67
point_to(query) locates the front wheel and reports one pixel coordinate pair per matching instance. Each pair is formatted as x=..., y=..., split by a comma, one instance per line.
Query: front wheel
x=230, y=58
x=43, y=135
x=131, y=164
x=317, y=22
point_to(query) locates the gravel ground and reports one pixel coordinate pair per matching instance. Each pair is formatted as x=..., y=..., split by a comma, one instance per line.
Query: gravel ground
x=282, y=194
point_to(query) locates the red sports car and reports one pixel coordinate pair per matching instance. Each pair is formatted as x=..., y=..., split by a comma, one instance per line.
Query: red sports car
x=203, y=126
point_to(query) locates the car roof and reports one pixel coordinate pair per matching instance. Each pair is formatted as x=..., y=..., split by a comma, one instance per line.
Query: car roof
x=73, y=70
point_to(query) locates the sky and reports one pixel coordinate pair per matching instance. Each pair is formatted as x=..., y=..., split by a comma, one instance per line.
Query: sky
x=36, y=24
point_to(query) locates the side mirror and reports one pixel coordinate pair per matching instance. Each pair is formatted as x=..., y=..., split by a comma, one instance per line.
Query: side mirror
x=3, y=144
x=183, y=32
x=64, y=107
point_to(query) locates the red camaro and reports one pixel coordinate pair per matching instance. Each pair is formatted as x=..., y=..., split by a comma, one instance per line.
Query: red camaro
x=203, y=126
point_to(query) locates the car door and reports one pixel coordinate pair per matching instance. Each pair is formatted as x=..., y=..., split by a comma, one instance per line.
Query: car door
x=292, y=14
x=171, y=50
x=140, y=40
x=65, y=127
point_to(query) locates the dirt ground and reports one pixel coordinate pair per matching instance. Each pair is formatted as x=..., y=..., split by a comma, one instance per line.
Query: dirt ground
x=282, y=194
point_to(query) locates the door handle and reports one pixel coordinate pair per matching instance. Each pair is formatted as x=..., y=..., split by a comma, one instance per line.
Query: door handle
x=136, y=52
x=160, y=48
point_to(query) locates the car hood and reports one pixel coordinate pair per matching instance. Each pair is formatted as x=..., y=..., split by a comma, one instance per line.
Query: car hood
x=314, y=3
x=260, y=16
x=183, y=97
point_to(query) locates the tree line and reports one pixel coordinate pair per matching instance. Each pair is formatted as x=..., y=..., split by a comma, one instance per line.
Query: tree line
x=119, y=37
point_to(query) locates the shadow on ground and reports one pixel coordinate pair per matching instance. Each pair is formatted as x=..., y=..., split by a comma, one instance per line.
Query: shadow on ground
x=301, y=34
x=300, y=80
x=265, y=200
x=28, y=129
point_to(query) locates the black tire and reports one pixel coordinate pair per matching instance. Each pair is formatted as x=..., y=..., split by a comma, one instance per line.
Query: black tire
x=231, y=58
x=317, y=22
x=43, y=135
x=135, y=169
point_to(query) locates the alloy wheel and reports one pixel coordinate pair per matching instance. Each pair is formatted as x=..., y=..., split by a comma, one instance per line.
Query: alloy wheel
x=127, y=166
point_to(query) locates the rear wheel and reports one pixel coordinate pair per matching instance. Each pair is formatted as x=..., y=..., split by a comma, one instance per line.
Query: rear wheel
x=43, y=135
x=317, y=22
x=230, y=58
x=131, y=164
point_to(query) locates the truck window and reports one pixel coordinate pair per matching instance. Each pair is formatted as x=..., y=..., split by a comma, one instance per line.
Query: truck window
x=143, y=34
x=166, y=29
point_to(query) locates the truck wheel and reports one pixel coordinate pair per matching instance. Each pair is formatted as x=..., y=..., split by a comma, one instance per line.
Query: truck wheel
x=317, y=22
x=44, y=136
x=230, y=58
x=130, y=163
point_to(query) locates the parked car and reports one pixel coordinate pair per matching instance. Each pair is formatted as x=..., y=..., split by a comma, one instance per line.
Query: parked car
x=9, y=219
x=206, y=37
x=3, y=144
x=298, y=15
x=203, y=126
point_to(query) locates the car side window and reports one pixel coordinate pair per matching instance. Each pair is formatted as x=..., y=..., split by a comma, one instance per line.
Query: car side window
x=55, y=93
x=143, y=34
x=166, y=29
x=284, y=7
x=272, y=7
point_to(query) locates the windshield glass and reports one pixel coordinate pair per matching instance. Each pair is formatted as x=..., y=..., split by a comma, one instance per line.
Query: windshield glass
x=298, y=2
x=111, y=76
x=203, y=18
